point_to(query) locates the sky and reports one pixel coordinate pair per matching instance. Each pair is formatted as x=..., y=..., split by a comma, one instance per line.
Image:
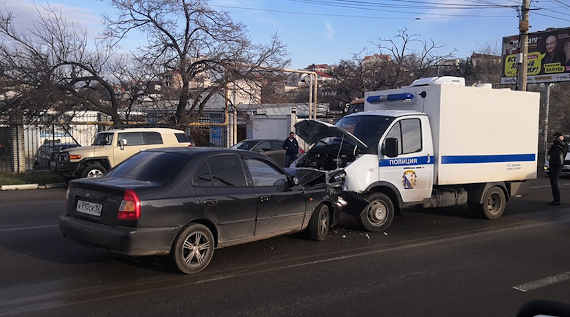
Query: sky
x=326, y=31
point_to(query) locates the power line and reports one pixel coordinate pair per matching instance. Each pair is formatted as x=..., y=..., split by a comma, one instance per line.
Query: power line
x=553, y=11
x=439, y=4
x=514, y=2
x=562, y=3
x=375, y=5
x=552, y=17
x=433, y=16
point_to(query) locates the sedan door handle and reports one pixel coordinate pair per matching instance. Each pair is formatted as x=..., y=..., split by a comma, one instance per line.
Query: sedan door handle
x=210, y=203
x=264, y=198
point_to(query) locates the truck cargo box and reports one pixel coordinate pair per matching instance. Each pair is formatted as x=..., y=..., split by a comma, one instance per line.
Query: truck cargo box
x=480, y=134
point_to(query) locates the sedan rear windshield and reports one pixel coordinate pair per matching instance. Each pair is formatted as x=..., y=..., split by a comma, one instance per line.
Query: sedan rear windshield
x=156, y=167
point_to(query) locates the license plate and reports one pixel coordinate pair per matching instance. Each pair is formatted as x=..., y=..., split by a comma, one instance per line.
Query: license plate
x=89, y=208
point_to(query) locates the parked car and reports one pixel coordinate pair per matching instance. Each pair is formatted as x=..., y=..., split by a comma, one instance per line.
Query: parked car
x=47, y=154
x=112, y=147
x=565, y=171
x=188, y=202
x=270, y=147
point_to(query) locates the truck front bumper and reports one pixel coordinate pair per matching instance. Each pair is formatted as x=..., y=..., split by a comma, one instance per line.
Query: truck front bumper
x=67, y=168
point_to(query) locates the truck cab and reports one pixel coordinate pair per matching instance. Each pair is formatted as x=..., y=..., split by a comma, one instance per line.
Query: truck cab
x=360, y=145
x=436, y=143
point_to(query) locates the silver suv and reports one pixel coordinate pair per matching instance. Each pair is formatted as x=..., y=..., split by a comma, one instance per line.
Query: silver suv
x=112, y=147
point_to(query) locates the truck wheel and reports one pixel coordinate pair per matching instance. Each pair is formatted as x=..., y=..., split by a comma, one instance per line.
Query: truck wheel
x=319, y=224
x=92, y=170
x=193, y=249
x=378, y=214
x=494, y=203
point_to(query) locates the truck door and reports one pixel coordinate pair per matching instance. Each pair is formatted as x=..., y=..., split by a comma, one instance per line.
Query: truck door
x=412, y=171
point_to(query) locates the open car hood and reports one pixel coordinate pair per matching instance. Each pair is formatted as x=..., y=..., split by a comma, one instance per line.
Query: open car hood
x=311, y=131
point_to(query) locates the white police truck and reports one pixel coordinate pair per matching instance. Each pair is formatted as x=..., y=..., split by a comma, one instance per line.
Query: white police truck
x=436, y=143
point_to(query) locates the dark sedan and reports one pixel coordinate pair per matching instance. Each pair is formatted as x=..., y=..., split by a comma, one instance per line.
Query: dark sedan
x=270, y=147
x=188, y=201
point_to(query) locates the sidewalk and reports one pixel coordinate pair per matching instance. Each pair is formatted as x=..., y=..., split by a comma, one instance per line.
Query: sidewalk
x=31, y=195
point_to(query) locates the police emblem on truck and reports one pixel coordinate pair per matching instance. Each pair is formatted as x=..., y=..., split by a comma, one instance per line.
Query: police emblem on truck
x=409, y=179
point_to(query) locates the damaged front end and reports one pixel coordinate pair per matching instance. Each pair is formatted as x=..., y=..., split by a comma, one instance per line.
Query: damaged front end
x=315, y=179
x=332, y=150
x=332, y=147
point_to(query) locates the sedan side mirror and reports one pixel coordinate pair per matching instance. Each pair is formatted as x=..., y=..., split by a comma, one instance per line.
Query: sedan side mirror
x=123, y=143
x=391, y=147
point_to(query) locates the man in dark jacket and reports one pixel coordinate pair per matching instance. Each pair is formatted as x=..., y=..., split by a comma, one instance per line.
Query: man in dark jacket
x=556, y=155
x=291, y=147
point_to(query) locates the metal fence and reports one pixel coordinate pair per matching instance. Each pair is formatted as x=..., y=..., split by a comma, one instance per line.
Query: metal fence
x=27, y=145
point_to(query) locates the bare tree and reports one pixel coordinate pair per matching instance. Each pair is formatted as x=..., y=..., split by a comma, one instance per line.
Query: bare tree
x=135, y=84
x=203, y=48
x=412, y=57
x=24, y=72
x=54, y=63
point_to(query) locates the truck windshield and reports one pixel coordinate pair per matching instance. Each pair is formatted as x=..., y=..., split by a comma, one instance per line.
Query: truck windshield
x=367, y=128
x=103, y=139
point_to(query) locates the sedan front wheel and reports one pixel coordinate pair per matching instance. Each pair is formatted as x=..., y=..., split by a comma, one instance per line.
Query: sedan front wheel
x=319, y=224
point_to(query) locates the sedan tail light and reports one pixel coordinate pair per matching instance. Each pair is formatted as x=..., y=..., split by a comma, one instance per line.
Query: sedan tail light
x=130, y=206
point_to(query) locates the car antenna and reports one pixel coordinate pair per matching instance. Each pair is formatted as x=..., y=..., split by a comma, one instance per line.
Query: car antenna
x=339, y=150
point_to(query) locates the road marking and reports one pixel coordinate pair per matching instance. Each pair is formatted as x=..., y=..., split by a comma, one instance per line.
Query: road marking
x=54, y=300
x=11, y=229
x=547, y=186
x=539, y=187
x=543, y=282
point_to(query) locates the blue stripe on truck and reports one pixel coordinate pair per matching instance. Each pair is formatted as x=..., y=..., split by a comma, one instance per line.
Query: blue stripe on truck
x=407, y=161
x=469, y=159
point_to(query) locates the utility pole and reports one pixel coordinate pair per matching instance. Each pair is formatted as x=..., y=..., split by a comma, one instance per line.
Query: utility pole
x=523, y=29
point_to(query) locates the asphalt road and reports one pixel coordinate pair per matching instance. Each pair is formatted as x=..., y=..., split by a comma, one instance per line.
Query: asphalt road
x=444, y=262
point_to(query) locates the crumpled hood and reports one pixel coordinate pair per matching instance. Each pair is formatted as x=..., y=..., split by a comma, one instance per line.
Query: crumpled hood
x=311, y=131
x=306, y=175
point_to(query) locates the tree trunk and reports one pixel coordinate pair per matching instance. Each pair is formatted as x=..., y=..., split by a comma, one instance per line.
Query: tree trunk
x=181, y=118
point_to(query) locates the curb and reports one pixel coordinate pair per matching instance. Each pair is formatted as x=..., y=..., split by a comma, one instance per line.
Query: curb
x=31, y=186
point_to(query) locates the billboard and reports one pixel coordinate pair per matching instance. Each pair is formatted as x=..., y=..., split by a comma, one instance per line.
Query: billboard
x=548, y=57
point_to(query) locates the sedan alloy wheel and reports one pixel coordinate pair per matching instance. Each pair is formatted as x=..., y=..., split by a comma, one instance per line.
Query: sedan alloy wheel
x=193, y=249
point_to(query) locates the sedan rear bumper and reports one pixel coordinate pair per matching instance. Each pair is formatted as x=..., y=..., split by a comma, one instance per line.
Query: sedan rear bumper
x=120, y=239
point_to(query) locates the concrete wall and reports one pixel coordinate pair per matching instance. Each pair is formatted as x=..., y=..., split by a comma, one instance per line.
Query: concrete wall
x=269, y=128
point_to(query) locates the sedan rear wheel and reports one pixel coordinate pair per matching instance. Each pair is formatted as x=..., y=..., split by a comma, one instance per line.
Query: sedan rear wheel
x=193, y=249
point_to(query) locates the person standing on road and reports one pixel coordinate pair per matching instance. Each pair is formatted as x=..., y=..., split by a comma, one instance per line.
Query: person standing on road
x=291, y=148
x=556, y=155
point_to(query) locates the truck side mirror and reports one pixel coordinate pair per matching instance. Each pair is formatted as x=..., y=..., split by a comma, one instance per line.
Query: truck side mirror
x=123, y=143
x=391, y=147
